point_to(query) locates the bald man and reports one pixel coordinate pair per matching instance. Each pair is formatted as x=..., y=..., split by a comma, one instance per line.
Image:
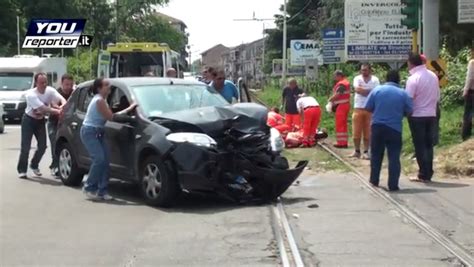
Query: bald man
x=171, y=73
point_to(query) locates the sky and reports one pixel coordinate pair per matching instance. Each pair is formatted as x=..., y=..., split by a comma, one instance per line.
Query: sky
x=211, y=22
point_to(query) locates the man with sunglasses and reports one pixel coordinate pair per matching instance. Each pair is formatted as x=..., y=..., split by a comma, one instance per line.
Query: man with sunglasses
x=225, y=87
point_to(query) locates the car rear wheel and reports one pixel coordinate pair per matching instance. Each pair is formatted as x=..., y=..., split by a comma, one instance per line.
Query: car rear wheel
x=70, y=173
x=158, y=185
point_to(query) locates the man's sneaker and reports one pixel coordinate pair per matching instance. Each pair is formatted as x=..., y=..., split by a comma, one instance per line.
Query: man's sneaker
x=366, y=155
x=90, y=195
x=106, y=197
x=22, y=175
x=37, y=172
x=356, y=154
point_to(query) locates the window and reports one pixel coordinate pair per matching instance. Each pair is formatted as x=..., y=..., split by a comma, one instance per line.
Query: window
x=85, y=97
x=156, y=100
x=117, y=100
x=15, y=81
x=52, y=78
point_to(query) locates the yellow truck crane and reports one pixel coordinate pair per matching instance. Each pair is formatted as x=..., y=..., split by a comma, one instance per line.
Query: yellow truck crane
x=136, y=59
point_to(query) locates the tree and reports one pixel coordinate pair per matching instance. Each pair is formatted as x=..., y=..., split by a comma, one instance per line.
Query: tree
x=152, y=28
x=136, y=21
x=298, y=27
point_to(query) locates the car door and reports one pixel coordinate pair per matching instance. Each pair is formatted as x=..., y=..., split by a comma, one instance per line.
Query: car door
x=120, y=138
x=75, y=124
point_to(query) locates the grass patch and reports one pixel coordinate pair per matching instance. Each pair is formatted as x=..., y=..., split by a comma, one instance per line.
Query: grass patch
x=318, y=159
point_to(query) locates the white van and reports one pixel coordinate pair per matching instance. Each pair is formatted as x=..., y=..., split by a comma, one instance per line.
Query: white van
x=16, y=76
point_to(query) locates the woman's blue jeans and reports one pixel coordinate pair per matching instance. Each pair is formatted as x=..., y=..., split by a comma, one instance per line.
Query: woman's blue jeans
x=94, y=141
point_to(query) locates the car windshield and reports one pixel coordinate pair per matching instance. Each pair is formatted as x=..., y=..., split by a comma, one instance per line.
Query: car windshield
x=13, y=81
x=156, y=100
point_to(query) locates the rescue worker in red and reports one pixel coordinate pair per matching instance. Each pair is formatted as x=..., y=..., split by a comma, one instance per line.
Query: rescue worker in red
x=341, y=106
x=310, y=111
x=289, y=97
x=275, y=120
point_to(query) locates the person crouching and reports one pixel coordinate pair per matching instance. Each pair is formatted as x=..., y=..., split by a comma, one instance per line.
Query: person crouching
x=275, y=120
x=310, y=112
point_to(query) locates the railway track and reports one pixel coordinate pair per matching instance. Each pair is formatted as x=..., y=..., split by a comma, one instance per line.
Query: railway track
x=454, y=248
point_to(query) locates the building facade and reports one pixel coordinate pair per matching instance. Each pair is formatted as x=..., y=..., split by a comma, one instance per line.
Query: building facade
x=246, y=61
x=213, y=56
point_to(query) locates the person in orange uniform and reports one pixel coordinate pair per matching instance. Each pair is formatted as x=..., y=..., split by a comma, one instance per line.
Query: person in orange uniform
x=341, y=106
x=275, y=120
x=309, y=109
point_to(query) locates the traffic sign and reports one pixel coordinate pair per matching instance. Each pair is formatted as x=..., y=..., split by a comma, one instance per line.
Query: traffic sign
x=333, y=46
x=439, y=67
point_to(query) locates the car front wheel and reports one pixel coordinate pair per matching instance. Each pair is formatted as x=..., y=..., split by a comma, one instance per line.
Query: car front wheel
x=158, y=185
x=70, y=173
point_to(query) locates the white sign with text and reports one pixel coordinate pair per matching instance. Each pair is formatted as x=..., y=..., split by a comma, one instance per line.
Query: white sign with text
x=465, y=11
x=373, y=31
x=302, y=50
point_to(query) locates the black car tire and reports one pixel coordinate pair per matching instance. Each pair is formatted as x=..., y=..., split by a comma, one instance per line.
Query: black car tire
x=75, y=175
x=169, y=189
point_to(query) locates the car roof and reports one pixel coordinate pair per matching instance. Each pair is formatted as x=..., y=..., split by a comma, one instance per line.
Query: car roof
x=136, y=81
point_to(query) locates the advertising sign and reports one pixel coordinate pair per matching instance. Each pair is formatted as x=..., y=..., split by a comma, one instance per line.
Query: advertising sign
x=465, y=11
x=302, y=50
x=373, y=31
x=333, y=46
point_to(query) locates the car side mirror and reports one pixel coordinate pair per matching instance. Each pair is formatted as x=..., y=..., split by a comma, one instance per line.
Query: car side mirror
x=122, y=118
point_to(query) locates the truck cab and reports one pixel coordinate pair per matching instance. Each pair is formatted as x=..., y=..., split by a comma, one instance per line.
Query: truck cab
x=17, y=76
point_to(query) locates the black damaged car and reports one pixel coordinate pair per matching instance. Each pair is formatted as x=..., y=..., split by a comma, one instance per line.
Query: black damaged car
x=183, y=137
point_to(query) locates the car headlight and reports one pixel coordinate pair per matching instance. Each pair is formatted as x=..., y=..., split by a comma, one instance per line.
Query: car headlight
x=277, y=143
x=198, y=139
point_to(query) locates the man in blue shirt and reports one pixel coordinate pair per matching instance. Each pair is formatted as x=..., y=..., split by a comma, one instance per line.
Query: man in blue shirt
x=225, y=87
x=389, y=104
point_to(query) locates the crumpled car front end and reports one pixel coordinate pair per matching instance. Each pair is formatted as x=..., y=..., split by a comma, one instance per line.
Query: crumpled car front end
x=216, y=146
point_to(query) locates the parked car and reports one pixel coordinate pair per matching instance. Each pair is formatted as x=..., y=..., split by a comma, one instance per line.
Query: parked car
x=183, y=137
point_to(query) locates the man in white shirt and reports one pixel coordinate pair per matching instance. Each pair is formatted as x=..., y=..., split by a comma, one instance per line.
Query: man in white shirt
x=468, y=93
x=310, y=111
x=38, y=101
x=361, y=118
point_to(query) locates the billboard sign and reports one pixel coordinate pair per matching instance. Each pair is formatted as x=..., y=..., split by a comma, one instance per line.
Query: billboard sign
x=302, y=50
x=373, y=31
x=465, y=11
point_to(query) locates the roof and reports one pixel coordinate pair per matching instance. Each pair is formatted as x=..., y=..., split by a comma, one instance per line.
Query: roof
x=25, y=62
x=169, y=18
x=214, y=47
x=138, y=81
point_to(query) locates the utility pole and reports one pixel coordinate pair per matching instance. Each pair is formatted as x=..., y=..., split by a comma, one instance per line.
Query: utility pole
x=431, y=29
x=284, y=65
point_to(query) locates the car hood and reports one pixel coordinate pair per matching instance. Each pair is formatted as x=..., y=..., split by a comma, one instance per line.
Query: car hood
x=12, y=95
x=245, y=117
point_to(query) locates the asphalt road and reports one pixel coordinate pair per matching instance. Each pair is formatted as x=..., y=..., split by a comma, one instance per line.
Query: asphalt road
x=335, y=220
